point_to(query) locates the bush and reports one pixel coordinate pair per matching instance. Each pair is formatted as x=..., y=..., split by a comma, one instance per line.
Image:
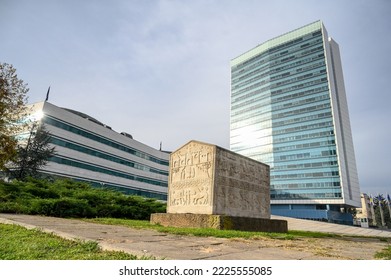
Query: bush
x=12, y=207
x=67, y=198
x=70, y=207
x=63, y=207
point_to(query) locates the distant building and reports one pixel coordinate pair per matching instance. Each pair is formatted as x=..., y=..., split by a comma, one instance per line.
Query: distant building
x=90, y=151
x=289, y=110
x=365, y=214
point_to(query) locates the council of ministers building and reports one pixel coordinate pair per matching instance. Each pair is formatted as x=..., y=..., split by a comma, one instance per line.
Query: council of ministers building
x=289, y=110
x=89, y=151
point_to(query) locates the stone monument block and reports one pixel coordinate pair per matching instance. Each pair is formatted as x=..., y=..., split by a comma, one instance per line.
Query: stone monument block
x=207, y=179
x=213, y=187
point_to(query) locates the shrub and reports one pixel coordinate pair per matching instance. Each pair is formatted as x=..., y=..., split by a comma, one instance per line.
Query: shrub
x=71, y=207
x=12, y=207
x=67, y=198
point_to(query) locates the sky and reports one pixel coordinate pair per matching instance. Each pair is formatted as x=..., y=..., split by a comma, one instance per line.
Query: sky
x=160, y=70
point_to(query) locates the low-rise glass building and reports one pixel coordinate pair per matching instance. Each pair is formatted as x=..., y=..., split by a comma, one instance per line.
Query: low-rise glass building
x=88, y=150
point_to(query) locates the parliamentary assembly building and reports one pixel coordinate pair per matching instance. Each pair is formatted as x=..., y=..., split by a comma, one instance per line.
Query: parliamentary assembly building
x=289, y=110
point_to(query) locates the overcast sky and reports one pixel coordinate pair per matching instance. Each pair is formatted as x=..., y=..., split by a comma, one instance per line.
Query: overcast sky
x=159, y=70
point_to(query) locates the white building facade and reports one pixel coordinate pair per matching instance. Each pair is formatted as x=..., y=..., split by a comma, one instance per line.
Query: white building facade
x=90, y=151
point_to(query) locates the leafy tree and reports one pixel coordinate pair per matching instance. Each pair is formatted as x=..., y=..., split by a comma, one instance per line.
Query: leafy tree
x=33, y=155
x=12, y=110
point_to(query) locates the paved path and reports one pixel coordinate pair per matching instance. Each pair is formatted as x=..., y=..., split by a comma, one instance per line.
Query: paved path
x=307, y=225
x=167, y=246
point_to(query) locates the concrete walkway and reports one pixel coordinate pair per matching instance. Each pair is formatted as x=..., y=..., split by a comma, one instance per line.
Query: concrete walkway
x=167, y=246
x=307, y=225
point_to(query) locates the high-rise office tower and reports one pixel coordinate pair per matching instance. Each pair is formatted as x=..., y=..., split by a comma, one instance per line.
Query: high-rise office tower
x=289, y=110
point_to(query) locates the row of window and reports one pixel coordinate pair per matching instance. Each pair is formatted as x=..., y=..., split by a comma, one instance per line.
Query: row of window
x=129, y=190
x=264, y=129
x=299, y=156
x=300, y=111
x=243, y=97
x=294, y=196
x=96, y=153
x=301, y=39
x=296, y=112
x=253, y=122
x=266, y=95
x=241, y=66
x=60, y=124
x=288, y=121
x=271, y=66
x=237, y=141
x=274, y=73
x=101, y=169
x=242, y=112
x=267, y=71
x=293, y=79
x=306, y=166
x=300, y=101
x=236, y=90
x=304, y=146
x=257, y=124
x=298, y=87
x=261, y=148
x=305, y=175
x=301, y=106
x=263, y=107
x=275, y=101
x=278, y=102
x=303, y=136
x=303, y=128
x=332, y=183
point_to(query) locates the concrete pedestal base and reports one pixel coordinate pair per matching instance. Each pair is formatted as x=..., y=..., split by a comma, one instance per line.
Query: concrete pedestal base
x=219, y=222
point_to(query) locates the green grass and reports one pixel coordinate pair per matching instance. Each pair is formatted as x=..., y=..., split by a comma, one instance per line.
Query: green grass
x=18, y=243
x=385, y=254
x=206, y=232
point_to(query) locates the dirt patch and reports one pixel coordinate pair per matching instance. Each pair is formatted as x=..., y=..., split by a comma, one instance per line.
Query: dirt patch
x=350, y=248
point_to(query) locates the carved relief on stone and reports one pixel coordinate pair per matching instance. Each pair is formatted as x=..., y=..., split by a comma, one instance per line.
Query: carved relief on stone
x=239, y=168
x=206, y=179
x=192, y=162
x=191, y=175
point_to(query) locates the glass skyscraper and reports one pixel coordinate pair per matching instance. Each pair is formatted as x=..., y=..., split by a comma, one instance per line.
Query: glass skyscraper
x=289, y=110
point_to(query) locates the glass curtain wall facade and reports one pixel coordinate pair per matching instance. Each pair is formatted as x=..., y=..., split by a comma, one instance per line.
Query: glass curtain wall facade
x=89, y=151
x=289, y=110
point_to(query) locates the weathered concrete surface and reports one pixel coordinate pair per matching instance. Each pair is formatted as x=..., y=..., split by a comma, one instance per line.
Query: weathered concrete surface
x=167, y=246
x=219, y=222
x=211, y=187
x=207, y=179
x=308, y=225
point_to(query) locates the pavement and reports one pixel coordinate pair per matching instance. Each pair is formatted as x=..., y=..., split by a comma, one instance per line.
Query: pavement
x=308, y=225
x=151, y=243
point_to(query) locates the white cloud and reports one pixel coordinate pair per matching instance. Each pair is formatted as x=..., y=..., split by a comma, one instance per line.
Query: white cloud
x=160, y=69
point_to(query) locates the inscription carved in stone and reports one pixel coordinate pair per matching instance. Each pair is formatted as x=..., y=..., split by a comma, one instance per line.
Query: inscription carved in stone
x=207, y=179
x=191, y=175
